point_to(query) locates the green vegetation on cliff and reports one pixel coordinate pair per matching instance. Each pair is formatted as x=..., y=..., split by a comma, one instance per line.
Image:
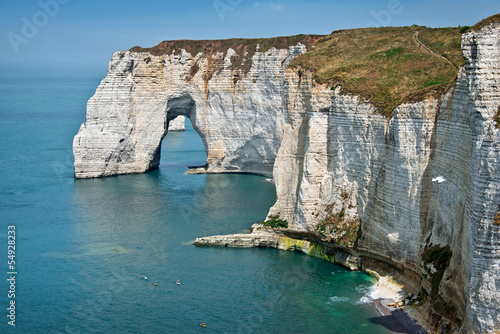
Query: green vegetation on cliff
x=435, y=261
x=386, y=66
x=275, y=221
x=439, y=258
x=339, y=229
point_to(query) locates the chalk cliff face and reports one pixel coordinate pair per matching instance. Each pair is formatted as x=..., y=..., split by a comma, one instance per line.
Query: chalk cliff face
x=177, y=124
x=424, y=185
x=238, y=117
x=338, y=153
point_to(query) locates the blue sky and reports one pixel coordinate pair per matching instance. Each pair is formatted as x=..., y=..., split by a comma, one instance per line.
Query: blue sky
x=88, y=31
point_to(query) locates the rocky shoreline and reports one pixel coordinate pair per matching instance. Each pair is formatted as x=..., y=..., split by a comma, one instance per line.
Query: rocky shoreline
x=389, y=296
x=396, y=320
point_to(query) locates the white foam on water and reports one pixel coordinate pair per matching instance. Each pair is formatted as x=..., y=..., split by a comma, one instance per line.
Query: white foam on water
x=364, y=300
x=338, y=299
x=367, y=291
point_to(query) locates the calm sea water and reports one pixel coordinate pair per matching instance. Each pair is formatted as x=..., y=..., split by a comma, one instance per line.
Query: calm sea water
x=83, y=246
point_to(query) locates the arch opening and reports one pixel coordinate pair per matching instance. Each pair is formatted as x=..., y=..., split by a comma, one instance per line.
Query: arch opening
x=182, y=148
x=181, y=106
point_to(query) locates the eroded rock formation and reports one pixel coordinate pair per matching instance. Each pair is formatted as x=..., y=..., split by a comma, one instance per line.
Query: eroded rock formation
x=177, y=124
x=238, y=114
x=424, y=185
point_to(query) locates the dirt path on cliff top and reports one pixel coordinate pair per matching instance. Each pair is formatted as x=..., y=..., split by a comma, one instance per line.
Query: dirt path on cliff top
x=427, y=49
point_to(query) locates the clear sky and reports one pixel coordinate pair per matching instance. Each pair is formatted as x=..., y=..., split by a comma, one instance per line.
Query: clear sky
x=89, y=31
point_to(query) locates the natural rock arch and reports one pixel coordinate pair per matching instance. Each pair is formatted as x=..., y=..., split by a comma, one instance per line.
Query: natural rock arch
x=239, y=119
x=185, y=106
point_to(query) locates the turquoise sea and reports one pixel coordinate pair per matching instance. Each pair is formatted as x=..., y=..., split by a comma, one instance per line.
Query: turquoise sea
x=82, y=247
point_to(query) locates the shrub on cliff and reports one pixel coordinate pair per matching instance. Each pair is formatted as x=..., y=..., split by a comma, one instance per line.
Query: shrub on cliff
x=275, y=221
x=339, y=229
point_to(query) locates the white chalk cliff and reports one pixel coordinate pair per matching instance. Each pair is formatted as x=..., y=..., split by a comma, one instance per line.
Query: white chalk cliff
x=177, y=124
x=425, y=184
x=239, y=118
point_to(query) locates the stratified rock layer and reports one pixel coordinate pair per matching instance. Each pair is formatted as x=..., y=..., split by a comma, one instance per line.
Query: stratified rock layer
x=425, y=184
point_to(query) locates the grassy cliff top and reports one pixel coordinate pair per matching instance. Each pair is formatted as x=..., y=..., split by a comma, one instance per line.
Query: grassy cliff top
x=486, y=22
x=386, y=66
x=222, y=45
x=245, y=47
x=241, y=61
